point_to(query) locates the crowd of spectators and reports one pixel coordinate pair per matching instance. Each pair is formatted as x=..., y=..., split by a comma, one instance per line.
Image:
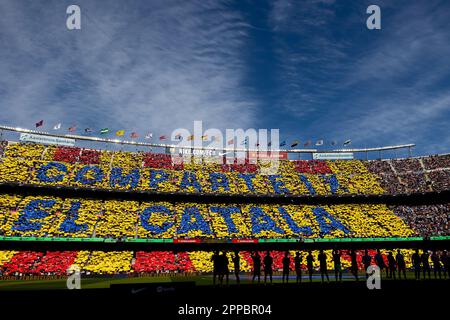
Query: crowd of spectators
x=414, y=175
x=72, y=166
x=45, y=216
x=437, y=162
x=427, y=220
x=439, y=180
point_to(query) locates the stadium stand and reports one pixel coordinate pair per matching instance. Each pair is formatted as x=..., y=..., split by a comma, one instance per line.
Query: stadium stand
x=64, y=217
x=71, y=166
x=32, y=216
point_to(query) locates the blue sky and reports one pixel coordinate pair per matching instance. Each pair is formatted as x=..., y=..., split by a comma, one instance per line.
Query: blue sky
x=309, y=68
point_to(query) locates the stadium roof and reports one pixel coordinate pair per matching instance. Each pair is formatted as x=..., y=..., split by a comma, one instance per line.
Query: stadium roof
x=146, y=144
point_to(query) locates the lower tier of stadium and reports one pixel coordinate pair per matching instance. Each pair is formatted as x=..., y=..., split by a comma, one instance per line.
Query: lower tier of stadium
x=47, y=216
x=53, y=263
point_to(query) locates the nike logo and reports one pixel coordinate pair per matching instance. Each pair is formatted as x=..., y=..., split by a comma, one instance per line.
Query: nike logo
x=223, y=153
x=134, y=291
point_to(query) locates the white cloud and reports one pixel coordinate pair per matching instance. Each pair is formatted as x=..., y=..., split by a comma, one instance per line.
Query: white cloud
x=155, y=67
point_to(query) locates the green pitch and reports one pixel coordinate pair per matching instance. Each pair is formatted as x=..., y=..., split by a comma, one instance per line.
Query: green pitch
x=105, y=282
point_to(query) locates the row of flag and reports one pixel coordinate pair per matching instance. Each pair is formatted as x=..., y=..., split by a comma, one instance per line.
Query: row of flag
x=149, y=135
x=296, y=143
x=119, y=133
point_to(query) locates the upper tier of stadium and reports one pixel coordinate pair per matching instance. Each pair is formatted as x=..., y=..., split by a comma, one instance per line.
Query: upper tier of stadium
x=49, y=165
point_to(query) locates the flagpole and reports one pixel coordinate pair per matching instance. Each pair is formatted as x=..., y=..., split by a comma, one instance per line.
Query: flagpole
x=155, y=145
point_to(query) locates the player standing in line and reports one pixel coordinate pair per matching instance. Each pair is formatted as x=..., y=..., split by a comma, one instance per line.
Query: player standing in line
x=286, y=267
x=298, y=266
x=337, y=265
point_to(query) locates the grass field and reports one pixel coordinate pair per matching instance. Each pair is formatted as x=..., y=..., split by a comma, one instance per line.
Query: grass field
x=105, y=282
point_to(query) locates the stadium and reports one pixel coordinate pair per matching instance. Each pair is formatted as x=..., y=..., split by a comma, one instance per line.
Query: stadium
x=223, y=158
x=119, y=215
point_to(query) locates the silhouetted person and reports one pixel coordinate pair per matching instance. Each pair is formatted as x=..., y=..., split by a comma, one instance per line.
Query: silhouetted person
x=216, y=262
x=401, y=265
x=425, y=264
x=337, y=265
x=310, y=265
x=322, y=257
x=391, y=264
x=256, y=266
x=298, y=266
x=268, y=261
x=366, y=260
x=354, y=264
x=445, y=259
x=286, y=267
x=416, y=262
x=436, y=265
x=380, y=262
x=237, y=266
x=223, y=266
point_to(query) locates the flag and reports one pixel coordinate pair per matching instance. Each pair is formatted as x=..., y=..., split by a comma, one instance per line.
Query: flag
x=205, y=137
x=245, y=142
x=307, y=143
x=319, y=143
x=72, y=128
x=88, y=130
x=120, y=133
x=231, y=141
x=149, y=135
x=178, y=137
x=191, y=137
x=294, y=143
x=57, y=126
x=283, y=143
x=269, y=144
x=257, y=144
x=40, y=123
x=162, y=138
x=333, y=143
x=347, y=142
x=134, y=135
x=104, y=131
